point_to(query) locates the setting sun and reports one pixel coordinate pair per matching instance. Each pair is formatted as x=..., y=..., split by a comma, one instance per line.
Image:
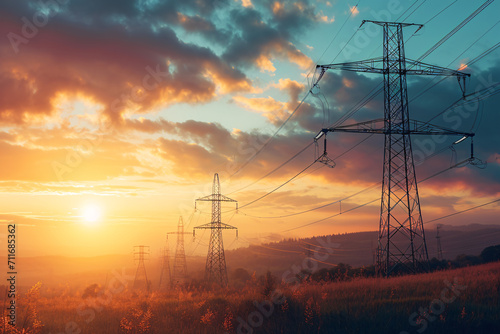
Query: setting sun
x=91, y=214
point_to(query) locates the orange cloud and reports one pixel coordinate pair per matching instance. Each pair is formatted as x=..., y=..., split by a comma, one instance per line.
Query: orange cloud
x=247, y=3
x=354, y=10
x=289, y=51
x=106, y=69
x=277, y=7
x=294, y=88
x=273, y=110
x=265, y=64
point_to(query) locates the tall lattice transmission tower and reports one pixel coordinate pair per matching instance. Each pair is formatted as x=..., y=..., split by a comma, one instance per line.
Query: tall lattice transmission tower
x=215, y=269
x=401, y=241
x=165, y=274
x=438, y=239
x=141, y=281
x=180, y=267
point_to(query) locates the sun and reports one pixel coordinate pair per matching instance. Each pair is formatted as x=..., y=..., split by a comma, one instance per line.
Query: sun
x=91, y=214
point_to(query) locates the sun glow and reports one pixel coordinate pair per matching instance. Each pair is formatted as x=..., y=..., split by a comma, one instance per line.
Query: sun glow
x=91, y=214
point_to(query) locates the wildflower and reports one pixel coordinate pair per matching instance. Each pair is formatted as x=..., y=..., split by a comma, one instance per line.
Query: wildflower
x=309, y=312
x=31, y=322
x=208, y=317
x=228, y=321
x=137, y=321
x=284, y=306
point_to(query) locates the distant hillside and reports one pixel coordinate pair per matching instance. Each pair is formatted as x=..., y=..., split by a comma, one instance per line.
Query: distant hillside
x=356, y=249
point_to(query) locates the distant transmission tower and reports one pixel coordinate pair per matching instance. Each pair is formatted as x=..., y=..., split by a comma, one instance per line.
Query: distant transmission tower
x=438, y=238
x=215, y=269
x=401, y=241
x=180, y=267
x=141, y=279
x=165, y=275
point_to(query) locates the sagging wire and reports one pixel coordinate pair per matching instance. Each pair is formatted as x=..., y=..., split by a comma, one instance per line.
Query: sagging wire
x=479, y=115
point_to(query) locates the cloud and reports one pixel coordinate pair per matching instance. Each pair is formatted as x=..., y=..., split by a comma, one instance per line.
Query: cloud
x=204, y=27
x=127, y=57
x=259, y=42
x=124, y=70
x=246, y=3
x=65, y=154
x=190, y=160
x=273, y=110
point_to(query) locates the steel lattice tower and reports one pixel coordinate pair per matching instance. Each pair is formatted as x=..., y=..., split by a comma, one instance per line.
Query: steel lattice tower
x=165, y=274
x=180, y=266
x=438, y=238
x=141, y=281
x=215, y=269
x=401, y=240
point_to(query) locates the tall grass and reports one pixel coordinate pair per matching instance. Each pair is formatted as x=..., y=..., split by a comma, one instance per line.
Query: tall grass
x=363, y=305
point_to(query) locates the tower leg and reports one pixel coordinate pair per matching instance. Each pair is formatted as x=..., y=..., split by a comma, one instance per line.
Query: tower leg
x=215, y=269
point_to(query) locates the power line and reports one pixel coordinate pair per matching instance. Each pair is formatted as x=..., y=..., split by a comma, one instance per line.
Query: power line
x=272, y=137
x=439, y=13
x=459, y=212
x=342, y=154
x=407, y=9
x=275, y=169
x=318, y=207
x=416, y=8
x=338, y=214
x=348, y=41
x=476, y=59
x=336, y=35
x=371, y=95
x=369, y=202
x=455, y=30
x=298, y=106
x=477, y=39
x=379, y=87
x=283, y=184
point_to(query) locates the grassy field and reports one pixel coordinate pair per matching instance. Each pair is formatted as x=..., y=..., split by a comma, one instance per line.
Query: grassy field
x=463, y=300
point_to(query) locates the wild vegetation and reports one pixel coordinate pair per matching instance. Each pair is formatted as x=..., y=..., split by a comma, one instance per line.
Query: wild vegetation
x=465, y=300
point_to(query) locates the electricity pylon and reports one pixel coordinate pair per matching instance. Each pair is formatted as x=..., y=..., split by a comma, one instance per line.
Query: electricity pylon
x=401, y=240
x=180, y=267
x=215, y=269
x=438, y=238
x=165, y=274
x=141, y=281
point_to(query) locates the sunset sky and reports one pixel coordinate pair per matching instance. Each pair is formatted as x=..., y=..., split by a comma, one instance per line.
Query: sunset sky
x=116, y=114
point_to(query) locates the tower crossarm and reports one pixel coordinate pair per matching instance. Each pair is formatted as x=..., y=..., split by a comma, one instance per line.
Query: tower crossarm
x=215, y=197
x=210, y=226
x=419, y=68
x=368, y=65
x=375, y=65
x=378, y=126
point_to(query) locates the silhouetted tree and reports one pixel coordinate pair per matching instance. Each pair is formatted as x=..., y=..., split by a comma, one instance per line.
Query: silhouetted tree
x=491, y=254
